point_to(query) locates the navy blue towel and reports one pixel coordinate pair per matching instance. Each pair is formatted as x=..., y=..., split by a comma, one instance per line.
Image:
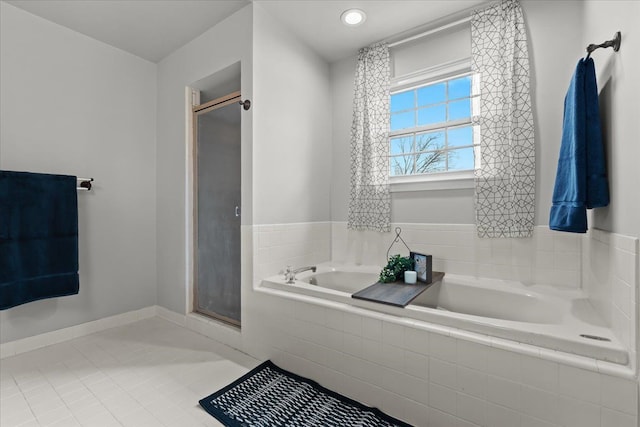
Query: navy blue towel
x=581, y=179
x=38, y=237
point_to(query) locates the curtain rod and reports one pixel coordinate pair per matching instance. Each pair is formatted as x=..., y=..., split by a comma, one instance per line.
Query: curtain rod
x=432, y=31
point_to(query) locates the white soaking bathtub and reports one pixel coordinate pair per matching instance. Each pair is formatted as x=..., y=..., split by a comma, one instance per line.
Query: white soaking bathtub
x=541, y=316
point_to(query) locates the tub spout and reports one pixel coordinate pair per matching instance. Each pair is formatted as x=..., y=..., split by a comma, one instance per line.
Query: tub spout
x=290, y=275
x=301, y=269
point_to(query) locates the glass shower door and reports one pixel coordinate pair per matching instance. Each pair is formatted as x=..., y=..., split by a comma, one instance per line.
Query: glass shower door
x=217, y=222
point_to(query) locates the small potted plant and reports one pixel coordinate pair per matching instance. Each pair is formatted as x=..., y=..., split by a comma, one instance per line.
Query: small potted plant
x=395, y=268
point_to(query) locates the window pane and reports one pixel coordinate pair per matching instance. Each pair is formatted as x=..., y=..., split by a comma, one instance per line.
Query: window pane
x=401, y=145
x=457, y=137
x=431, y=115
x=461, y=159
x=400, y=165
x=432, y=94
x=433, y=161
x=403, y=120
x=460, y=88
x=402, y=101
x=460, y=109
x=429, y=141
x=444, y=147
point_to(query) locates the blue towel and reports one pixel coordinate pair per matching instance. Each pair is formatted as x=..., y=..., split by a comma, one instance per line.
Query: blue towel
x=581, y=179
x=38, y=237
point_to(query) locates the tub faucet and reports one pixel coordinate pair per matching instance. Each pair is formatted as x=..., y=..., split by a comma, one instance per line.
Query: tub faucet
x=290, y=275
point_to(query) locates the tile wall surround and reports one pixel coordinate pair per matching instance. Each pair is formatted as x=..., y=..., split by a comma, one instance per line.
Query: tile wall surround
x=278, y=245
x=548, y=257
x=610, y=277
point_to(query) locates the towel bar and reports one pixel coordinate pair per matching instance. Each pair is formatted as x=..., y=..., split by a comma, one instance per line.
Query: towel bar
x=84, y=184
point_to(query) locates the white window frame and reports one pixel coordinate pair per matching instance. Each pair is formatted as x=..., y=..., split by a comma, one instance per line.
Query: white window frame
x=437, y=180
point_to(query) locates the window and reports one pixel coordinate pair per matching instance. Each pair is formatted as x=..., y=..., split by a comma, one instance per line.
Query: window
x=431, y=135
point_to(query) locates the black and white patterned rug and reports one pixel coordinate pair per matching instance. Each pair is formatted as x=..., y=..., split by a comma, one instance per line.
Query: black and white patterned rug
x=269, y=396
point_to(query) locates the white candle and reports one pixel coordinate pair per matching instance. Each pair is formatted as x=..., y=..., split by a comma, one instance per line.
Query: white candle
x=410, y=277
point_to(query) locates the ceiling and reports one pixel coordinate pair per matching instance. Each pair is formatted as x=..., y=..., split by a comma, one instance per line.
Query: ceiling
x=152, y=29
x=318, y=22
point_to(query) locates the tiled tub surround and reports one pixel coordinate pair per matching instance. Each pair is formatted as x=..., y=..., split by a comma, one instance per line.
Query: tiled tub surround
x=547, y=258
x=434, y=375
x=535, y=315
x=610, y=277
x=279, y=245
x=602, y=264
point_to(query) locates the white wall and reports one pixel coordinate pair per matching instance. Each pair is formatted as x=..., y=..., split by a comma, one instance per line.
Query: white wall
x=285, y=158
x=619, y=89
x=552, y=56
x=291, y=127
x=221, y=46
x=291, y=162
x=73, y=105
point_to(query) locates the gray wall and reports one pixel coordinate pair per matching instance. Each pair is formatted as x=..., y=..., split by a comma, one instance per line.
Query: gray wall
x=73, y=105
x=552, y=64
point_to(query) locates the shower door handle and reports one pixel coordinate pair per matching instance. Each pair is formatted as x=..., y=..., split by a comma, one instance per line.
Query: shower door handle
x=237, y=211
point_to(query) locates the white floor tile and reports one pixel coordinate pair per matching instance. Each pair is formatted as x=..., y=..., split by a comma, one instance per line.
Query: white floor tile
x=148, y=373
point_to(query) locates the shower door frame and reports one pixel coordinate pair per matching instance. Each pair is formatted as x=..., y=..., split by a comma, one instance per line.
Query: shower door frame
x=196, y=110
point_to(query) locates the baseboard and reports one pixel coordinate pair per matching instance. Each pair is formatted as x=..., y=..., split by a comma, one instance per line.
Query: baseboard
x=23, y=345
x=210, y=328
x=218, y=331
x=171, y=316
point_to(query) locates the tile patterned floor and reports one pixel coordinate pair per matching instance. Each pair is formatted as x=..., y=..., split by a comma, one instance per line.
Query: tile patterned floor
x=149, y=373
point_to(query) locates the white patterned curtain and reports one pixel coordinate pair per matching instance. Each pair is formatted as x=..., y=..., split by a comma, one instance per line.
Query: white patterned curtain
x=505, y=180
x=370, y=201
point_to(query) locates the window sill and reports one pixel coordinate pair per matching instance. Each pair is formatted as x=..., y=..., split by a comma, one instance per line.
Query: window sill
x=436, y=181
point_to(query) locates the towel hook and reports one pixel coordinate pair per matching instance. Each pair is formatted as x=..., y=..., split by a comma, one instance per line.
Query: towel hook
x=398, y=231
x=614, y=43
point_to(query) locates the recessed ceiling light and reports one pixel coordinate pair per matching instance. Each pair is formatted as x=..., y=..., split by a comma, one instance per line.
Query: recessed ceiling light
x=353, y=17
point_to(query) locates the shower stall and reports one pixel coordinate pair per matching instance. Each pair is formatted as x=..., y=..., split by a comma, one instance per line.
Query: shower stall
x=216, y=207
